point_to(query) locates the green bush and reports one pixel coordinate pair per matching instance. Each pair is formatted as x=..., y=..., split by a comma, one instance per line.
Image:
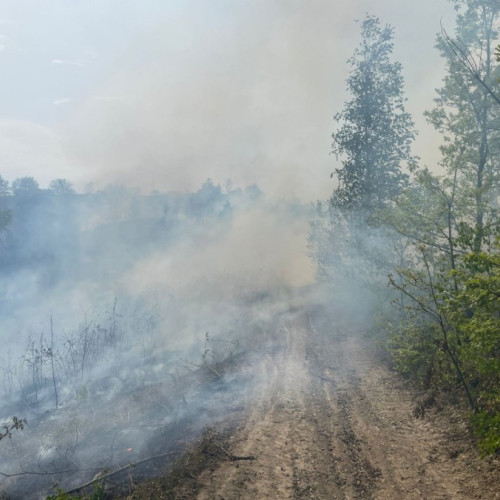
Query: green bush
x=486, y=427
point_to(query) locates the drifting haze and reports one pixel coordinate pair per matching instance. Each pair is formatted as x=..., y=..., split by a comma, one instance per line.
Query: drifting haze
x=112, y=304
x=162, y=95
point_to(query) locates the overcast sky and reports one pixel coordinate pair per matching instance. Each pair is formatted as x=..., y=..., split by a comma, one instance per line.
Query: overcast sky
x=163, y=94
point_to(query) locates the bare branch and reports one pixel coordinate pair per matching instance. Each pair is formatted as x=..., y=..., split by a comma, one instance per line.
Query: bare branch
x=468, y=62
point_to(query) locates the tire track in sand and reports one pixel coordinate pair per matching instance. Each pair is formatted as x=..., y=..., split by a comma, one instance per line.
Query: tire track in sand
x=328, y=422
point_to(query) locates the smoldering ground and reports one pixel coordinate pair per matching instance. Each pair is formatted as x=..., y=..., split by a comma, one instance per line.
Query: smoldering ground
x=133, y=345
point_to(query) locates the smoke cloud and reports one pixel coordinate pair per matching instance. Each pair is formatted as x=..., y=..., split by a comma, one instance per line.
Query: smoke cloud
x=190, y=90
x=143, y=276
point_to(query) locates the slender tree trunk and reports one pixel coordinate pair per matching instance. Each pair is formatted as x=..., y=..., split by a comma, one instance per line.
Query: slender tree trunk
x=52, y=360
x=483, y=147
x=483, y=158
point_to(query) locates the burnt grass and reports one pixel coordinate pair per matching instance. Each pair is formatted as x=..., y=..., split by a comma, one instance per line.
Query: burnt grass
x=181, y=450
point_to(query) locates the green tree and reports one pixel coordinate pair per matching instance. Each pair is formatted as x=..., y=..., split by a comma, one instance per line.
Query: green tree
x=373, y=140
x=449, y=282
x=479, y=296
x=25, y=186
x=5, y=213
x=375, y=133
x=467, y=114
x=61, y=186
x=4, y=187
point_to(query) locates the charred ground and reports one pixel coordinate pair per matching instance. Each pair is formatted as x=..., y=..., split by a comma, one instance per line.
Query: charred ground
x=325, y=419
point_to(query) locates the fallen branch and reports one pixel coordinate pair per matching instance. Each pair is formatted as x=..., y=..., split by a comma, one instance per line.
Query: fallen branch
x=230, y=456
x=125, y=467
x=44, y=473
x=236, y=457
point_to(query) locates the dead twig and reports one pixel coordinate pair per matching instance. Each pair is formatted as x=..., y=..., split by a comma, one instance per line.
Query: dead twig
x=205, y=367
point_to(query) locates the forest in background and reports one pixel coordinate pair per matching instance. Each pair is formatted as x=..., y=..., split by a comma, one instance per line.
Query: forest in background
x=433, y=230
x=429, y=232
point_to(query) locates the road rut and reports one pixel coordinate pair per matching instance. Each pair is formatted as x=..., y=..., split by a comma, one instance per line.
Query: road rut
x=330, y=421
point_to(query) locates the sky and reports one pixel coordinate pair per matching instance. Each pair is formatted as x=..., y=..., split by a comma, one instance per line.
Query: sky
x=163, y=94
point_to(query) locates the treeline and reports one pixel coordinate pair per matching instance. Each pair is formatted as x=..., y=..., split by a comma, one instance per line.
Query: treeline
x=60, y=234
x=434, y=237
x=56, y=243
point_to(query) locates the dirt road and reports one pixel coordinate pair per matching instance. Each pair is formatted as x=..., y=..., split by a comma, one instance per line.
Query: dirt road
x=331, y=422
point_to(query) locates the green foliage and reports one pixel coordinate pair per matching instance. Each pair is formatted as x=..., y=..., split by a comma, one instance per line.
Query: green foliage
x=99, y=493
x=373, y=140
x=460, y=341
x=25, y=186
x=413, y=350
x=487, y=429
x=5, y=214
x=375, y=132
x=449, y=277
x=467, y=115
x=61, y=187
x=474, y=309
x=440, y=233
x=60, y=495
x=4, y=187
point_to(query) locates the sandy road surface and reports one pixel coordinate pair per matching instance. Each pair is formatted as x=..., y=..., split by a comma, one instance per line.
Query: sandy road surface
x=334, y=423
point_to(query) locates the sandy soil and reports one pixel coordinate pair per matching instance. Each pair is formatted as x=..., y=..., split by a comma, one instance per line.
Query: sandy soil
x=330, y=421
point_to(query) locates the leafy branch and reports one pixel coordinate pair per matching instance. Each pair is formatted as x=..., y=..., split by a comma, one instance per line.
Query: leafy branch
x=16, y=424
